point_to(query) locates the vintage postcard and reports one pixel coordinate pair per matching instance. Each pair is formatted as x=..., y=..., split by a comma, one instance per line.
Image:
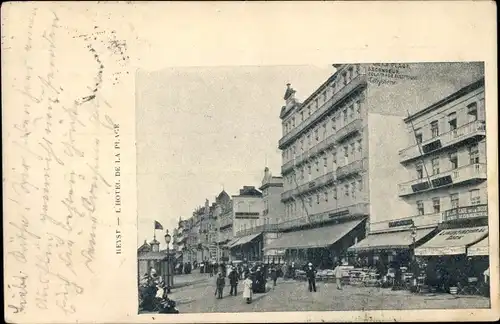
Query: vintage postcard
x=250, y=162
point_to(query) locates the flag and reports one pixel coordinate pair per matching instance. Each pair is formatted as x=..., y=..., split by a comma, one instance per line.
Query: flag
x=158, y=226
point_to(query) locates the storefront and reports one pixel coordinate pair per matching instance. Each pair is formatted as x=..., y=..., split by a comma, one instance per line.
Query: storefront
x=248, y=248
x=389, y=249
x=322, y=246
x=456, y=258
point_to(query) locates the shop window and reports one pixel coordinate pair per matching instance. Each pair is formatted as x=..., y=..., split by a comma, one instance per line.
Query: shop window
x=453, y=160
x=472, y=111
x=454, y=200
x=474, y=154
x=452, y=121
x=435, y=166
x=420, y=207
x=475, y=199
x=435, y=128
x=436, y=205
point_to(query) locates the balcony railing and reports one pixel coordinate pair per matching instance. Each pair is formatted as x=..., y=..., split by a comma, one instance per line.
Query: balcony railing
x=258, y=229
x=466, y=212
x=351, y=168
x=474, y=129
x=309, y=186
x=358, y=81
x=465, y=173
x=349, y=129
x=355, y=210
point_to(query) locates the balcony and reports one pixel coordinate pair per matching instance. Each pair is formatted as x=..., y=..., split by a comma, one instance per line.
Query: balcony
x=309, y=154
x=355, y=210
x=467, y=173
x=309, y=186
x=467, y=212
x=351, y=168
x=358, y=82
x=348, y=130
x=474, y=130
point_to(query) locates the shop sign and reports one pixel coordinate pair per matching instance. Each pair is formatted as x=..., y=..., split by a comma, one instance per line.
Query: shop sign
x=460, y=233
x=466, y=212
x=403, y=222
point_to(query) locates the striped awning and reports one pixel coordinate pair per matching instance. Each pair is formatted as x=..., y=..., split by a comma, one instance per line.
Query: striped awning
x=452, y=241
x=390, y=240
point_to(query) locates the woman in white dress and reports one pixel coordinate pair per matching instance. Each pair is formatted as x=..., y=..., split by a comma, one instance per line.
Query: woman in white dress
x=247, y=289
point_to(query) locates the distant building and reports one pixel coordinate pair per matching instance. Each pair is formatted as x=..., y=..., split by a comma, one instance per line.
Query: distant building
x=224, y=215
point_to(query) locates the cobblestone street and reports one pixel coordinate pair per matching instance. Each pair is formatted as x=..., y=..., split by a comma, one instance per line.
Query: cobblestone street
x=294, y=296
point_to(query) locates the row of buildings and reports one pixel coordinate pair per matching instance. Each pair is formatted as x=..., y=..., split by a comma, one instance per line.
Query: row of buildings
x=380, y=162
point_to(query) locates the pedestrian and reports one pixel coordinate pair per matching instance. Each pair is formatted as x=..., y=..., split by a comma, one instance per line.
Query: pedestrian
x=233, y=281
x=274, y=276
x=338, y=275
x=311, y=277
x=220, y=282
x=247, y=289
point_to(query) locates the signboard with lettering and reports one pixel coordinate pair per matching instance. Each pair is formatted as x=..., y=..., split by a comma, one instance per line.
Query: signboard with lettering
x=431, y=146
x=402, y=222
x=466, y=212
x=246, y=215
x=442, y=181
x=420, y=186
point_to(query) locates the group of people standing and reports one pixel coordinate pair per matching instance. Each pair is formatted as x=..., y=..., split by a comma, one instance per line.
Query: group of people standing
x=311, y=271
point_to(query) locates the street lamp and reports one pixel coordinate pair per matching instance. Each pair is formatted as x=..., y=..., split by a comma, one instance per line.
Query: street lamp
x=167, y=240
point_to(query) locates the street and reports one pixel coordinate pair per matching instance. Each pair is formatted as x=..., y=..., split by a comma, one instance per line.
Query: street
x=294, y=296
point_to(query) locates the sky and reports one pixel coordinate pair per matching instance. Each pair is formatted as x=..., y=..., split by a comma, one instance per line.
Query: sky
x=200, y=130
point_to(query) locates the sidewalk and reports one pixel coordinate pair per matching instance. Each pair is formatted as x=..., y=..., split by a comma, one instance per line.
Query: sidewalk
x=185, y=280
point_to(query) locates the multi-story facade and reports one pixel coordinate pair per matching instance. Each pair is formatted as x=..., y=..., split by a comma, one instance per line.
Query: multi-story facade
x=224, y=216
x=340, y=151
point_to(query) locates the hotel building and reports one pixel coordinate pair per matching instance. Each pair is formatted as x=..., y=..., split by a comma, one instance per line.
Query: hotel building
x=340, y=150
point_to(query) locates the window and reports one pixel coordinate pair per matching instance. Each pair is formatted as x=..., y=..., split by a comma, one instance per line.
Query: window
x=351, y=73
x=435, y=166
x=453, y=160
x=452, y=121
x=474, y=154
x=317, y=165
x=346, y=189
x=435, y=128
x=317, y=199
x=346, y=152
x=302, y=173
x=334, y=160
x=360, y=146
x=345, y=116
x=334, y=124
x=436, y=205
x=301, y=116
x=454, y=200
x=324, y=130
x=420, y=170
x=309, y=169
x=316, y=103
x=325, y=161
x=302, y=146
x=310, y=201
x=351, y=109
x=353, y=190
x=334, y=189
x=353, y=149
x=474, y=197
x=358, y=107
x=472, y=111
x=345, y=79
x=309, y=139
x=326, y=196
x=418, y=136
x=360, y=184
x=420, y=207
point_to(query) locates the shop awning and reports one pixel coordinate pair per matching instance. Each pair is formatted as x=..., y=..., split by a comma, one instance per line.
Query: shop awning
x=391, y=240
x=479, y=249
x=233, y=242
x=452, y=241
x=313, y=238
x=245, y=239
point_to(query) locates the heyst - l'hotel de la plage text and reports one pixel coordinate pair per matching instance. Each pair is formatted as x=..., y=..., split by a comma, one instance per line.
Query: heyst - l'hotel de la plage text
x=383, y=166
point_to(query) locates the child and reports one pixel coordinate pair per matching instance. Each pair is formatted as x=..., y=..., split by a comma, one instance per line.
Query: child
x=247, y=289
x=220, y=285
